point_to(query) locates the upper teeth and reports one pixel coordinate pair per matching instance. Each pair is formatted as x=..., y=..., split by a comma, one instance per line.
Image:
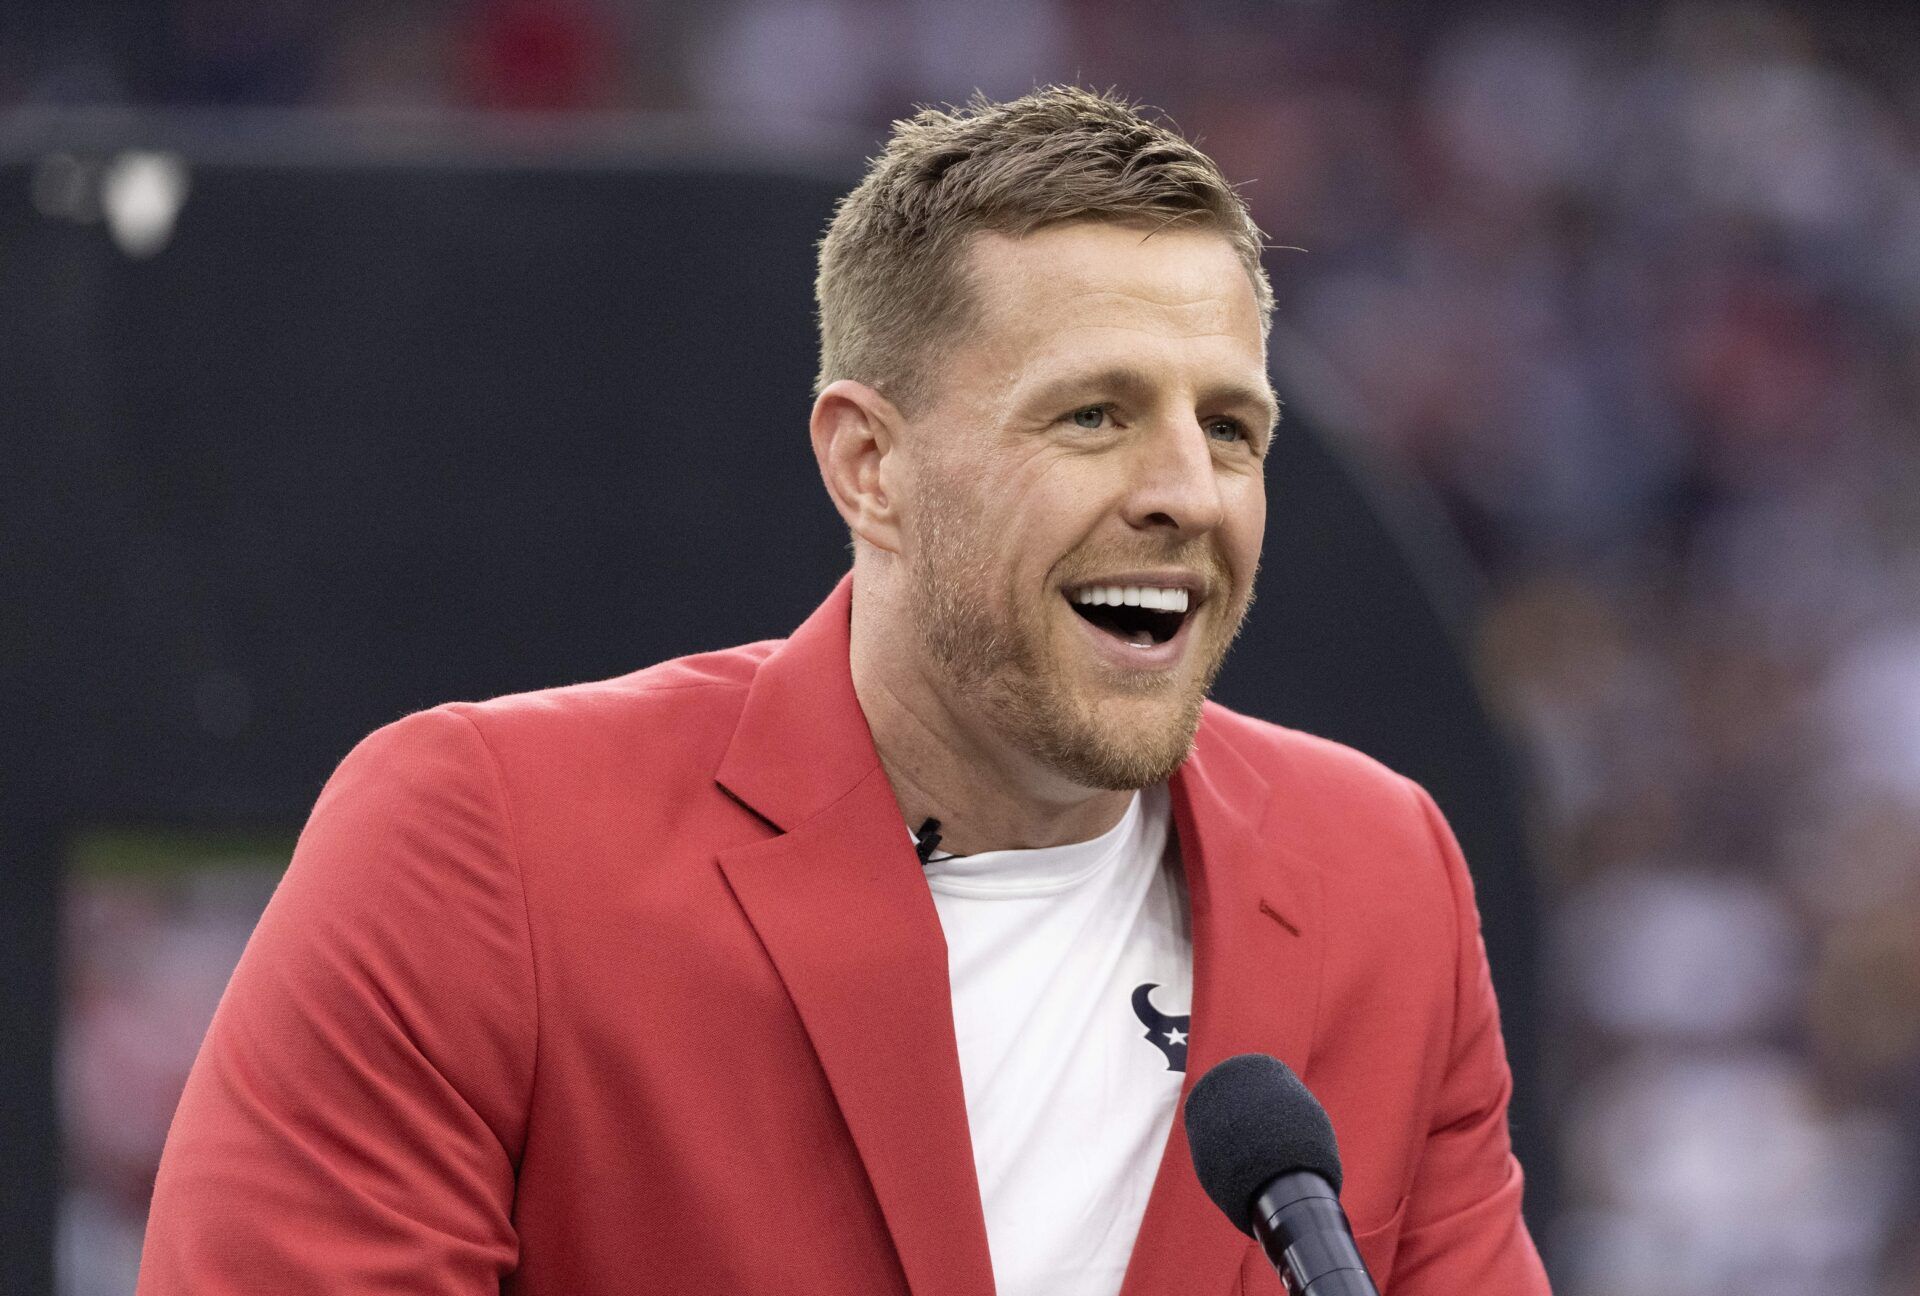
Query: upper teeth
x=1146, y=596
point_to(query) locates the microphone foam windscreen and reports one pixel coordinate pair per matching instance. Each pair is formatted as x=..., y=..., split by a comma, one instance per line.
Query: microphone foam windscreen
x=1250, y=1119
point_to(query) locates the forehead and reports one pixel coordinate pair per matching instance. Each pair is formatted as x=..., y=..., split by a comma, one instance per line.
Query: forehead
x=1096, y=284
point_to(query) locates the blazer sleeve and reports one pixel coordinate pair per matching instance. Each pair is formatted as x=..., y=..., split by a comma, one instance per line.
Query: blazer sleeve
x=355, y=1116
x=1463, y=1230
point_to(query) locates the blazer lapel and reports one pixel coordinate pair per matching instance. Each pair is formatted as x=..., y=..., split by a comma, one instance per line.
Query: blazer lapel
x=839, y=902
x=1256, y=953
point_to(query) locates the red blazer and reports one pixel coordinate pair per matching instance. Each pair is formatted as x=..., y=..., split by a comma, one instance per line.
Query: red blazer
x=637, y=987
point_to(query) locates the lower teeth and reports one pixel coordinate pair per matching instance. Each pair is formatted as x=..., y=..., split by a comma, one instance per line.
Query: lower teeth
x=1140, y=639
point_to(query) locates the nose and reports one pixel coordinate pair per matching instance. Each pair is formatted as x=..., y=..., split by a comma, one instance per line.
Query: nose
x=1176, y=483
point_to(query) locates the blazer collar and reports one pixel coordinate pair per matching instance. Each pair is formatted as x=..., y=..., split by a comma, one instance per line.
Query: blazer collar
x=802, y=741
x=839, y=901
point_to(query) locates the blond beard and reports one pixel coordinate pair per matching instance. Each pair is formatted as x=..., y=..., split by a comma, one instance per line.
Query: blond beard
x=994, y=662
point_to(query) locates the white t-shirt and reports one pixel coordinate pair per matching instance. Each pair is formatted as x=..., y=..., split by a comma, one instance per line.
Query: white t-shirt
x=1051, y=955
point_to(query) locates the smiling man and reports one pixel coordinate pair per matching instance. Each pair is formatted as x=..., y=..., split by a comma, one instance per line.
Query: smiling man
x=1056, y=543
x=877, y=959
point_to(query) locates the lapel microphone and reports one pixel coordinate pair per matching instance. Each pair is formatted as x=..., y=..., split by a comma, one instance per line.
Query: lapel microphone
x=927, y=841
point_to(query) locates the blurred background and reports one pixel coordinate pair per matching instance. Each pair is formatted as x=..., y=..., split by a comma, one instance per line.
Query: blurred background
x=1598, y=326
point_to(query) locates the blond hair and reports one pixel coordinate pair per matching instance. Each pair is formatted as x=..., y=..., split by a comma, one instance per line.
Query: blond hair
x=892, y=279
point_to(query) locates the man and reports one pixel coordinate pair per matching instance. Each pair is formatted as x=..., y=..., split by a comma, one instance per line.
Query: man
x=876, y=959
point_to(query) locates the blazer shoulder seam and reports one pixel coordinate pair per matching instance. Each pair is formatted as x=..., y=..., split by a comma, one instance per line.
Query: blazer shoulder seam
x=498, y=775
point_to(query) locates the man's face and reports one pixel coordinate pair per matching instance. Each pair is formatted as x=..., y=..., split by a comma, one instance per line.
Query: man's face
x=1087, y=501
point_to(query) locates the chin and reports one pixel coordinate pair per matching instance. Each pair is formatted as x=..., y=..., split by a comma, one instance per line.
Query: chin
x=1116, y=745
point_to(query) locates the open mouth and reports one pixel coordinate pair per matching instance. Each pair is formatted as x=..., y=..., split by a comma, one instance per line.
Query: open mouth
x=1141, y=615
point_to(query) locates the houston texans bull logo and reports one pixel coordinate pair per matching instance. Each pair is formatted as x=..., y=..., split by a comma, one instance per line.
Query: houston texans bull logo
x=1169, y=1034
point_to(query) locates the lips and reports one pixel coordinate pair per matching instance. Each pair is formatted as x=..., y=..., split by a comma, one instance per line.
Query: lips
x=1141, y=616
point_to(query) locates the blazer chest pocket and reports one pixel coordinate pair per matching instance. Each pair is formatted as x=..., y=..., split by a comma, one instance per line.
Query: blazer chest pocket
x=1377, y=1246
x=1379, y=1243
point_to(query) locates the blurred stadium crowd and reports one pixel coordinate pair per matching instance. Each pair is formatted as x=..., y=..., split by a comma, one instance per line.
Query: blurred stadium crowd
x=1638, y=293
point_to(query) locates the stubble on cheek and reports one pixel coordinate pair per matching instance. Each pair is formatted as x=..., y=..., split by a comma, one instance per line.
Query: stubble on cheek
x=958, y=602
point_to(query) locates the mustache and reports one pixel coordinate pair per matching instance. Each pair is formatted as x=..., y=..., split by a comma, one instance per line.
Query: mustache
x=1199, y=558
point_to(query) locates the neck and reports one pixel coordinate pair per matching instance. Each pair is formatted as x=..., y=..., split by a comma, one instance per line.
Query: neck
x=985, y=796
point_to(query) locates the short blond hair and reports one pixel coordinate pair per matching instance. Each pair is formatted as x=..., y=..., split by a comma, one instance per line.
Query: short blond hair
x=892, y=285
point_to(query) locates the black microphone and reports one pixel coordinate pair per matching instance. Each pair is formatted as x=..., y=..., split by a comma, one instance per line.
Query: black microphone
x=1264, y=1150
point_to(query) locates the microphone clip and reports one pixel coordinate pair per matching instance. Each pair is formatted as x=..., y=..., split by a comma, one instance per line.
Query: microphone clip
x=927, y=841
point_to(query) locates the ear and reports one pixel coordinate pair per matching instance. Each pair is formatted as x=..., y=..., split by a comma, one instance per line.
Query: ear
x=855, y=431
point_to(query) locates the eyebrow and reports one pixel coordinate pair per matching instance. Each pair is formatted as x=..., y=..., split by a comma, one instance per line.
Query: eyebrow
x=1131, y=382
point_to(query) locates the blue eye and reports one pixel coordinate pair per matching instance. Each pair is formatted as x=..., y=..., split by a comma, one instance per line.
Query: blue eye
x=1226, y=429
x=1090, y=418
